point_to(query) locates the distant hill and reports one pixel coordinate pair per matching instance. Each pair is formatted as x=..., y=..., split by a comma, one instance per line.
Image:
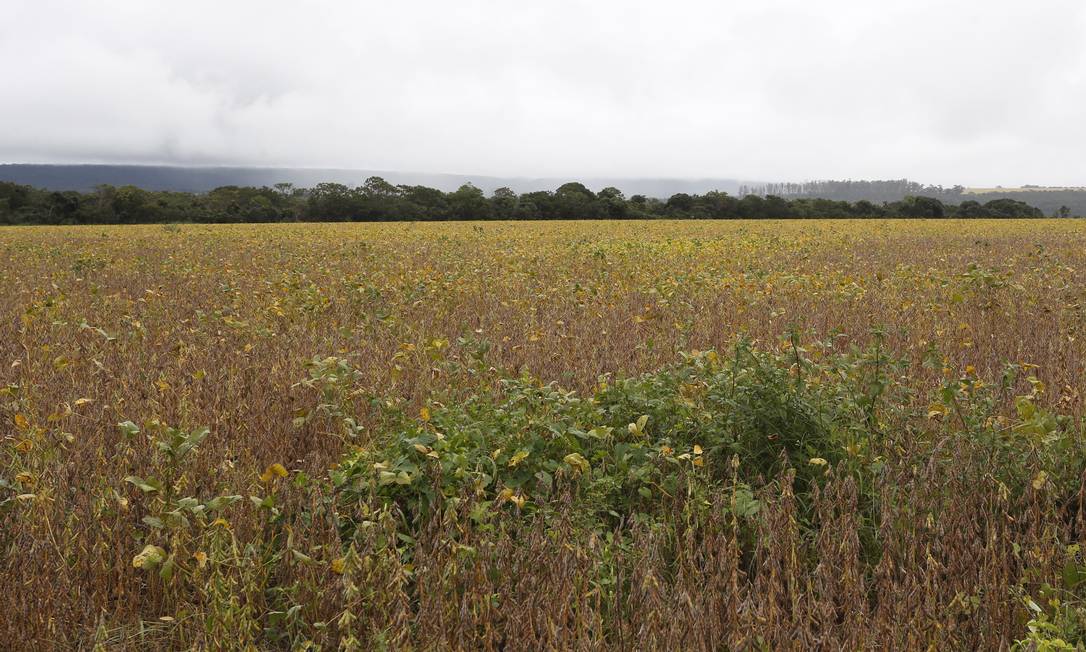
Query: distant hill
x=203, y=179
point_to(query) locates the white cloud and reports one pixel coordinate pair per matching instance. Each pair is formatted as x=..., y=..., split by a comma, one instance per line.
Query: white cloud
x=946, y=92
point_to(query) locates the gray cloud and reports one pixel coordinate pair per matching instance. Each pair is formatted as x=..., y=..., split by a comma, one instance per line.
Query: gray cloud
x=975, y=92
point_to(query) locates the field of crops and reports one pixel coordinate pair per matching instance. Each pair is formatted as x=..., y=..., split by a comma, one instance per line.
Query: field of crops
x=573, y=435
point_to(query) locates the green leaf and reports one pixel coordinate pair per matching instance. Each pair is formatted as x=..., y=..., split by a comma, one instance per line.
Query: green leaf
x=128, y=429
x=221, y=502
x=168, y=568
x=306, y=559
x=149, y=485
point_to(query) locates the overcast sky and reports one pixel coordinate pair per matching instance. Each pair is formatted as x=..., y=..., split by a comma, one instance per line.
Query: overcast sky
x=976, y=92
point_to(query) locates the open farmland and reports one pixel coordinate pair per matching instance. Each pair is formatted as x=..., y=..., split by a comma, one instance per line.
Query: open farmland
x=589, y=435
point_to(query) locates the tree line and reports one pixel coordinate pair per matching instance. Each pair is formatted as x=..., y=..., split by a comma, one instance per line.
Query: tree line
x=1057, y=202
x=377, y=200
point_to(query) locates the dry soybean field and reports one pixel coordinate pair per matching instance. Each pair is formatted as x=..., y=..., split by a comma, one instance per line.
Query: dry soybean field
x=553, y=435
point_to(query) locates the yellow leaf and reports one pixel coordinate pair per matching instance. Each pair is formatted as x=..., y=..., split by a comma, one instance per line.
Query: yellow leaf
x=697, y=449
x=83, y=401
x=200, y=557
x=338, y=565
x=424, y=413
x=25, y=446
x=149, y=557
x=21, y=422
x=818, y=461
x=577, y=461
x=1040, y=479
x=272, y=472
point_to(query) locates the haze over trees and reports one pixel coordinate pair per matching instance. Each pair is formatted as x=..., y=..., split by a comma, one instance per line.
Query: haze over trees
x=1057, y=202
